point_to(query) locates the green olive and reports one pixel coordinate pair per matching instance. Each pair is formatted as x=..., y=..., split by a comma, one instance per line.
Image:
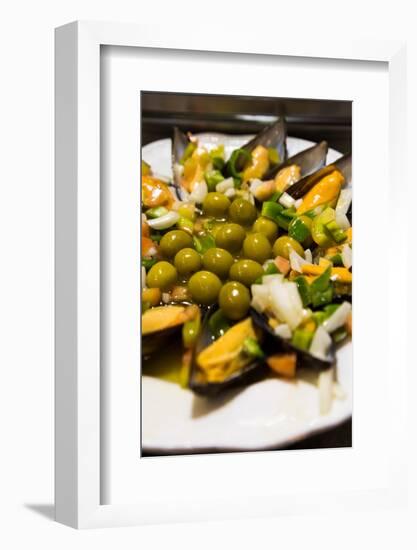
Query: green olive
x=161, y=275
x=242, y=211
x=173, y=241
x=204, y=287
x=187, y=260
x=218, y=261
x=284, y=245
x=257, y=247
x=267, y=227
x=234, y=300
x=246, y=271
x=216, y=205
x=230, y=236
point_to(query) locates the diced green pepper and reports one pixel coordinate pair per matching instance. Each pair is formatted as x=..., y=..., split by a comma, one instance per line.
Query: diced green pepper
x=300, y=229
x=277, y=213
x=322, y=282
x=271, y=209
x=156, y=237
x=304, y=290
x=321, y=289
x=320, y=234
x=218, y=163
x=302, y=338
x=338, y=235
x=156, y=212
x=330, y=309
x=235, y=161
x=147, y=263
x=336, y=260
x=185, y=224
x=204, y=242
x=271, y=269
x=319, y=316
x=276, y=196
x=213, y=177
x=320, y=298
x=252, y=348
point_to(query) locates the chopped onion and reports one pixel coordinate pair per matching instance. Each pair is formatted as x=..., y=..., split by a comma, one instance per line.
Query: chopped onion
x=286, y=200
x=345, y=198
x=321, y=343
x=166, y=297
x=163, y=222
x=298, y=203
x=283, y=330
x=260, y=297
x=268, y=279
x=229, y=193
x=308, y=256
x=296, y=261
x=338, y=318
x=285, y=302
x=325, y=384
x=342, y=220
x=199, y=192
x=347, y=256
x=224, y=185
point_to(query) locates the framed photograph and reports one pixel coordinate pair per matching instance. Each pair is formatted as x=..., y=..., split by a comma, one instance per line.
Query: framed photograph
x=215, y=355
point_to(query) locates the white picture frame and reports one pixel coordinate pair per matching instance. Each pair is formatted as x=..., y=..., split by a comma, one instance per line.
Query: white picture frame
x=77, y=242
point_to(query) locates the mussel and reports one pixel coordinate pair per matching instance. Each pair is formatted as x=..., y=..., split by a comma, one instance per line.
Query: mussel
x=272, y=136
x=309, y=160
x=210, y=378
x=162, y=323
x=274, y=343
x=302, y=186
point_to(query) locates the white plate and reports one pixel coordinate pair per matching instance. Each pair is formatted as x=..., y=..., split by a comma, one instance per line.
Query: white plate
x=271, y=413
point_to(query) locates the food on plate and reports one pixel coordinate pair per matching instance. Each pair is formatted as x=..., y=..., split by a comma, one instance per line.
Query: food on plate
x=247, y=261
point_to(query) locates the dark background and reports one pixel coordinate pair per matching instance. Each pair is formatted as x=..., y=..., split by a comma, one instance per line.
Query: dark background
x=306, y=118
x=311, y=119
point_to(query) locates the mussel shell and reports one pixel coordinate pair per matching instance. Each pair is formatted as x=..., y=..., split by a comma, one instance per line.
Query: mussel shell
x=254, y=371
x=156, y=341
x=272, y=136
x=275, y=344
x=309, y=160
x=302, y=186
